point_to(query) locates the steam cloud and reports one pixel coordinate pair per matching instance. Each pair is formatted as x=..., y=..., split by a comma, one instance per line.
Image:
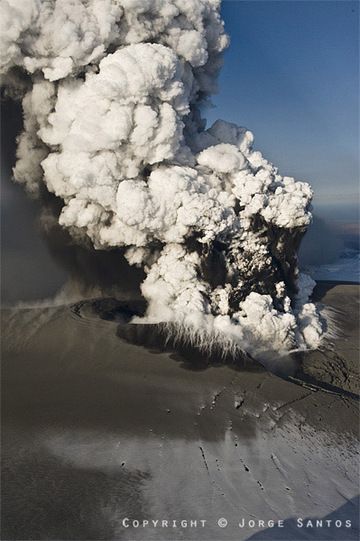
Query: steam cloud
x=112, y=126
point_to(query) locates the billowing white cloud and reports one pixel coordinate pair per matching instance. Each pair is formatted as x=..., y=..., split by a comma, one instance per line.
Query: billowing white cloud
x=112, y=126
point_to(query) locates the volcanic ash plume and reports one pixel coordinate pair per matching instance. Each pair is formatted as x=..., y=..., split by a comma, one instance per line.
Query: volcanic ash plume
x=112, y=126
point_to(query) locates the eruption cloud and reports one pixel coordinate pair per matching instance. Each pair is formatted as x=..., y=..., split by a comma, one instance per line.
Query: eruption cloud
x=112, y=93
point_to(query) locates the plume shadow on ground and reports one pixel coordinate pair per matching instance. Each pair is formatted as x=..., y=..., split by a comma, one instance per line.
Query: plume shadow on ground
x=45, y=498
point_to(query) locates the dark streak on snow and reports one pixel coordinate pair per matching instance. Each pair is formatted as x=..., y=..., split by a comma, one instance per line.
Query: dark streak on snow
x=204, y=459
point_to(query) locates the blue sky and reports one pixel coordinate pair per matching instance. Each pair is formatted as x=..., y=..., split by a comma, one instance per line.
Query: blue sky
x=291, y=76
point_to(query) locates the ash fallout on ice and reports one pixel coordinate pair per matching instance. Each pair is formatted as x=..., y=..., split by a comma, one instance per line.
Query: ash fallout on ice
x=111, y=93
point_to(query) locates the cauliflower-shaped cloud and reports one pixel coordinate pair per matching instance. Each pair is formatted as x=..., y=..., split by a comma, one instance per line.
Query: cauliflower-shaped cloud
x=113, y=127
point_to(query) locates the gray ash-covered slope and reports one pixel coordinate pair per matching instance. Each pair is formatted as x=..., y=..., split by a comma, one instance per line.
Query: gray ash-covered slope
x=333, y=368
x=112, y=127
x=96, y=429
x=337, y=363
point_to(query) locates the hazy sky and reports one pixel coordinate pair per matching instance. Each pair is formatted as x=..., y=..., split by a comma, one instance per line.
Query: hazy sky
x=291, y=76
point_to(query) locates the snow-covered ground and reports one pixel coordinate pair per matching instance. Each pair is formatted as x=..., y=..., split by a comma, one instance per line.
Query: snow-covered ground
x=345, y=269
